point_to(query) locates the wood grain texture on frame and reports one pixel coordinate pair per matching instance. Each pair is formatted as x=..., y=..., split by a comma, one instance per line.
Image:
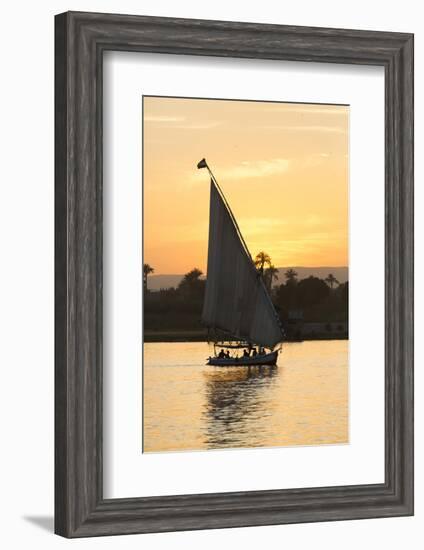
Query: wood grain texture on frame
x=80, y=40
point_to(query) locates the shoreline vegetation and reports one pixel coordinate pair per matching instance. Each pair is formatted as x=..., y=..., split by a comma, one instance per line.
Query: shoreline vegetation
x=311, y=308
x=201, y=336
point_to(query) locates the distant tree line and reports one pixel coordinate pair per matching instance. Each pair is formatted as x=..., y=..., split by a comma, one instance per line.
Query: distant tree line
x=311, y=299
x=177, y=308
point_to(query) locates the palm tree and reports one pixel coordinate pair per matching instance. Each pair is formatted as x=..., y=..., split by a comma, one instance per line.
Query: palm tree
x=191, y=285
x=291, y=276
x=191, y=277
x=331, y=280
x=147, y=269
x=271, y=274
x=261, y=260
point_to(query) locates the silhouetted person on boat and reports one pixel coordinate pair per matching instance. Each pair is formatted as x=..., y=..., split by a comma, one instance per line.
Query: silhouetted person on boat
x=221, y=354
x=261, y=351
x=227, y=354
x=254, y=352
x=246, y=353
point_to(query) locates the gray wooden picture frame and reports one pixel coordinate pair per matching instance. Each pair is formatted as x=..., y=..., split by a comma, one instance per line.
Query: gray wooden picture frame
x=80, y=40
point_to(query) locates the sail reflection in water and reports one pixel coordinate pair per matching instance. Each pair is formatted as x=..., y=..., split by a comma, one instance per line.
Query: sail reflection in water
x=189, y=406
x=233, y=398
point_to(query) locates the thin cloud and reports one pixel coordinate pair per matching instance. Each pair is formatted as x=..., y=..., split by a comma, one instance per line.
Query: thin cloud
x=180, y=123
x=259, y=226
x=197, y=125
x=316, y=159
x=339, y=110
x=306, y=128
x=163, y=119
x=256, y=169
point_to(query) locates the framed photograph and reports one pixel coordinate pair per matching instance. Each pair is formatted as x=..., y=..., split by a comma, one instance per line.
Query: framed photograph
x=234, y=274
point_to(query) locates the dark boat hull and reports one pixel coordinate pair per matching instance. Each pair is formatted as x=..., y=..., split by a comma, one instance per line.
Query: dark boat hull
x=258, y=360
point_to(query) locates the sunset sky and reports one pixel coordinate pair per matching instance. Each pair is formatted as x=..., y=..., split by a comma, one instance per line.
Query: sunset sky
x=282, y=167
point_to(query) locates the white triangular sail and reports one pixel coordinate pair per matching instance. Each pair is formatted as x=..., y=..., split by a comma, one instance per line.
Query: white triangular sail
x=236, y=299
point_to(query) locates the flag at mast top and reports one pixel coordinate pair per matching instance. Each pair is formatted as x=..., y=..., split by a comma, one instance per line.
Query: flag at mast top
x=202, y=164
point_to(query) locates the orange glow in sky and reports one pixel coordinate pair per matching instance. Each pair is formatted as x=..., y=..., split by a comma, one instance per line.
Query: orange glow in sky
x=282, y=167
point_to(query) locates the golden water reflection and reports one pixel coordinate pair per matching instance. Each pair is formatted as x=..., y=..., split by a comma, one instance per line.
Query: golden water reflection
x=189, y=406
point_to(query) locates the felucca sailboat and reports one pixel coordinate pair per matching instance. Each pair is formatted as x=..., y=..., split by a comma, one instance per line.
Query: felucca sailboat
x=237, y=308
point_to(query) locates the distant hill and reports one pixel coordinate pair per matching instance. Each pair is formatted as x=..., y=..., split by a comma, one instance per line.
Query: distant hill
x=156, y=282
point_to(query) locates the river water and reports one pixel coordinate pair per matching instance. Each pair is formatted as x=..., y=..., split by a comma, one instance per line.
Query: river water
x=189, y=406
